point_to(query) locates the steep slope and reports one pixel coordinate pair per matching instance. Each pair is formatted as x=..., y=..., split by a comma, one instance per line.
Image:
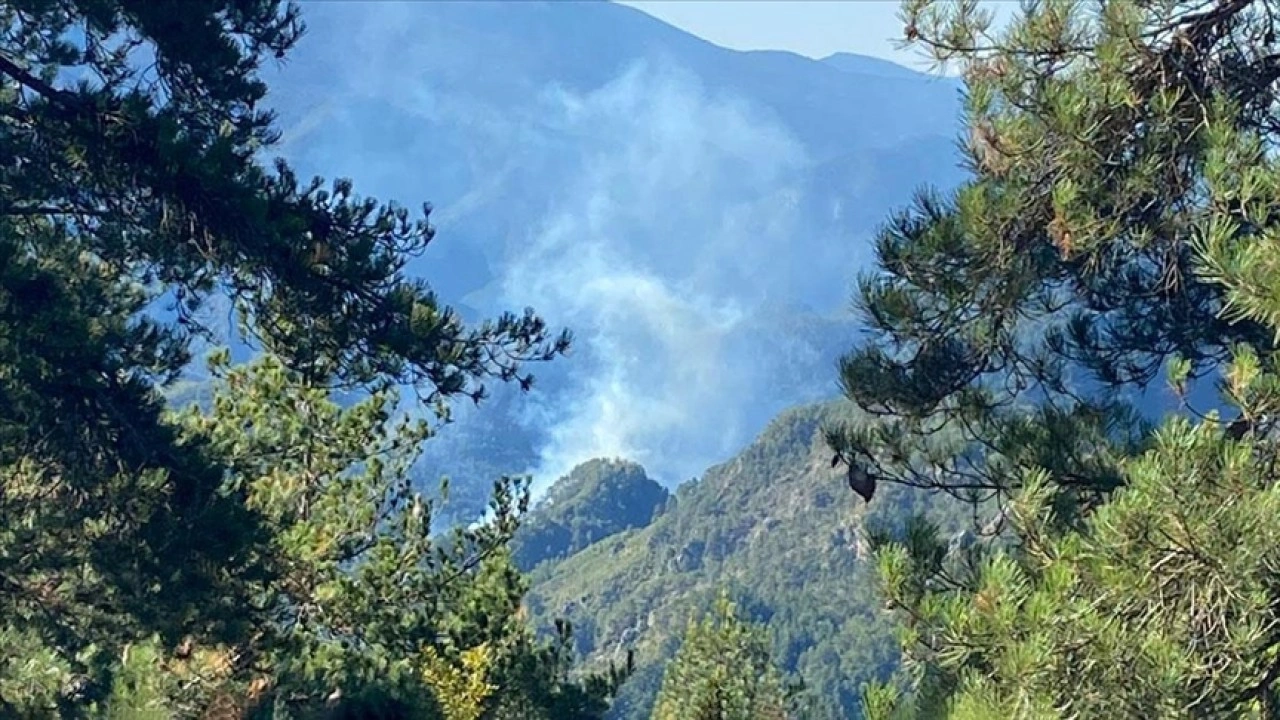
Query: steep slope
x=778, y=528
x=490, y=110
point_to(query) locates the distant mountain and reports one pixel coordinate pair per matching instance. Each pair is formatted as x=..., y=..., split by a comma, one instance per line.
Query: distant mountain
x=670, y=201
x=863, y=65
x=781, y=531
x=599, y=498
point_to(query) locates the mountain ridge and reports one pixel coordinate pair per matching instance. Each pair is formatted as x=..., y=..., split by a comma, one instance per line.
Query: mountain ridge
x=865, y=64
x=777, y=528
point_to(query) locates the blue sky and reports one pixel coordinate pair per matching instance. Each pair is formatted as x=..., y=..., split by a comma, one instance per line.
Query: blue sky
x=807, y=27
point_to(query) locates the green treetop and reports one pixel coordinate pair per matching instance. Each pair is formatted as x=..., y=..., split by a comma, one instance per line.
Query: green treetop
x=722, y=671
x=366, y=607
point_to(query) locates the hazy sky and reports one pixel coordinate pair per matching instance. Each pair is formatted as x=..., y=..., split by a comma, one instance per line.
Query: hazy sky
x=815, y=29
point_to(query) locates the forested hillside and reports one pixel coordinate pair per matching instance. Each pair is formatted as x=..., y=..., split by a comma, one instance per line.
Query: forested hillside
x=599, y=498
x=1116, y=247
x=776, y=529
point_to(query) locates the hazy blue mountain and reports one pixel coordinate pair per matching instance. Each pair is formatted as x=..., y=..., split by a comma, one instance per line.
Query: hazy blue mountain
x=863, y=65
x=695, y=214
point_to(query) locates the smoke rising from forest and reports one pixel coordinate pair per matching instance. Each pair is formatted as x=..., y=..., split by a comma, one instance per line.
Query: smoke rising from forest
x=671, y=234
x=700, y=248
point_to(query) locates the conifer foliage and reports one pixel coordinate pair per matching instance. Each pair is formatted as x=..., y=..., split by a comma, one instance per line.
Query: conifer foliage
x=266, y=557
x=1120, y=226
x=723, y=671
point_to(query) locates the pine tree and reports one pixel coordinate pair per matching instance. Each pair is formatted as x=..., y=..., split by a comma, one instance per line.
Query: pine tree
x=1120, y=224
x=132, y=198
x=1014, y=321
x=722, y=671
x=367, y=609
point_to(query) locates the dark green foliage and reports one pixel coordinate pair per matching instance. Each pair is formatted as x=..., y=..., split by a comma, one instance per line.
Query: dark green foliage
x=133, y=198
x=101, y=496
x=1028, y=307
x=1164, y=602
x=362, y=586
x=1121, y=223
x=366, y=612
x=152, y=168
x=597, y=499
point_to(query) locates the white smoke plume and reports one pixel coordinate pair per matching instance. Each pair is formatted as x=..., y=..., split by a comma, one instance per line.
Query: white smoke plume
x=669, y=238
